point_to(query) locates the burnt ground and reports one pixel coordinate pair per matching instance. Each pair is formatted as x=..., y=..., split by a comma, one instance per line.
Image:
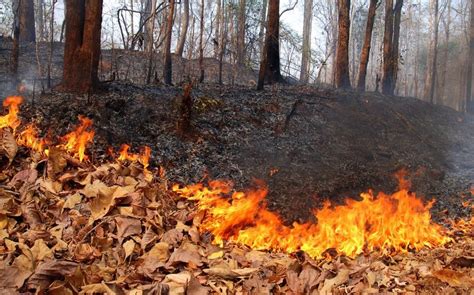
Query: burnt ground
x=308, y=144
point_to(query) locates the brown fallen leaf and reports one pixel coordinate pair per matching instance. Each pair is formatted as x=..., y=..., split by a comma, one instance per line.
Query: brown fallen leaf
x=127, y=226
x=50, y=270
x=186, y=253
x=56, y=162
x=41, y=251
x=12, y=276
x=8, y=146
x=155, y=258
x=99, y=288
x=195, y=287
x=463, y=261
x=329, y=284
x=454, y=278
x=24, y=176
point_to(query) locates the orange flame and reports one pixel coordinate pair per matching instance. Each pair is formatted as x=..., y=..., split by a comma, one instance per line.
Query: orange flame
x=75, y=142
x=389, y=223
x=29, y=138
x=11, y=119
x=143, y=157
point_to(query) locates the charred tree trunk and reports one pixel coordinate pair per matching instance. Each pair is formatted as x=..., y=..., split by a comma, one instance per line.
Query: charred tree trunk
x=167, y=67
x=364, y=57
x=306, y=52
x=387, y=79
x=469, y=102
x=342, y=54
x=201, y=45
x=27, y=21
x=241, y=33
x=82, y=47
x=395, y=44
x=430, y=78
x=16, y=46
x=270, y=63
x=184, y=31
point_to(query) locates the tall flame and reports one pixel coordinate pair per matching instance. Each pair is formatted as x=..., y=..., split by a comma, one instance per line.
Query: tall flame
x=29, y=138
x=11, y=119
x=75, y=142
x=389, y=223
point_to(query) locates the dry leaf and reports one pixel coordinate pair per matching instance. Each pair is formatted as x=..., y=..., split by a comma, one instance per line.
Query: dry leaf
x=51, y=270
x=56, y=162
x=8, y=146
x=41, y=251
x=339, y=279
x=100, y=288
x=454, y=278
x=128, y=247
x=12, y=276
x=156, y=257
x=72, y=201
x=127, y=226
x=187, y=253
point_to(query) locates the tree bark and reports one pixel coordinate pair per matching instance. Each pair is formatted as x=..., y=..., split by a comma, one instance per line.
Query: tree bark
x=270, y=63
x=445, y=58
x=306, y=52
x=469, y=102
x=27, y=21
x=82, y=47
x=201, y=45
x=342, y=53
x=40, y=18
x=222, y=38
x=241, y=33
x=387, y=79
x=430, y=77
x=395, y=44
x=184, y=31
x=364, y=57
x=261, y=32
x=16, y=46
x=167, y=66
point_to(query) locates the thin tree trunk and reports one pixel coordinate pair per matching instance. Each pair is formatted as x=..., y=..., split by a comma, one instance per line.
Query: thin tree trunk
x=184, y=31
x=201, y=45
x=150, y=28
x=217, y=31
x=40, y=18
x=16, y=45
x=445, y=58
x=364, y=57
x=306, y=52
x=263, y=20
x=395, y=44
x=387, y=79
x=469, y=102
x=270, y=63
x=222, y=38
x=167, y=67
x=432, y=55
x=241, y=33
x=51, y=43
x=82, y=47
x=342, y=53
x=27, y=21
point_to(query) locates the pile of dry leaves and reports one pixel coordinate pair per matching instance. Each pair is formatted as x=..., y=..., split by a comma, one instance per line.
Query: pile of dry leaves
x=68, y=227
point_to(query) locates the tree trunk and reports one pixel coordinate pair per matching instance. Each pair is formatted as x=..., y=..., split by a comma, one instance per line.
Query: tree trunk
x=82, y=47
x=364, y=57
x=270, y=63
x=222, y=38
x=218, y=28
x=201, y=45
x=184, y=32
x=27, y=21
x=167, y=66
x=469, y=102
x=342, y=53
x=16, y=46
x=40, y=18
x=306, y=52
x=263, y=20
x=395, y=43
x=430, y=77
x=241, y=33
x=387, y=79
x=149, y=25
x=445, y=58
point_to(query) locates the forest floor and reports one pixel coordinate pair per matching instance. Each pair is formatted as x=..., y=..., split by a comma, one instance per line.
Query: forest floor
x=308, y=144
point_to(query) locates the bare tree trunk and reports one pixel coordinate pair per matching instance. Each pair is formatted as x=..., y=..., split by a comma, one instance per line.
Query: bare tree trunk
x=395, y=44
x=342, y=53
x=430, y=78
x=82, y=48
x=270, y=63
x=16, y=46
x=201, y=45
x=184, y=32
x=150, y=28
x=222, y=38
x=27, y=21
x=51, y=43
x=40, y=18
x=364, y=57
x=167, y=67
x=306, y=52
x=241, y=32
x=469, y=102
x=263, y=20
x=387, y=79
x=217, y=30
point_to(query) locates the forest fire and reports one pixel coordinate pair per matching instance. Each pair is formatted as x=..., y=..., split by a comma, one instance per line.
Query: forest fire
x=76, y=141
x=388, y=223
x=11, y=119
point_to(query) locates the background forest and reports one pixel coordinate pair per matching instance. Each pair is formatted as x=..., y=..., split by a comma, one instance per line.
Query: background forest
x=432, y=52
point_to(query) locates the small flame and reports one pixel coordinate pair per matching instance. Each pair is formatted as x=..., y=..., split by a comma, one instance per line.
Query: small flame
x=11, y=119
x=75, y=142
x=29, y=138
x=390, y=223
x=143, y=157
